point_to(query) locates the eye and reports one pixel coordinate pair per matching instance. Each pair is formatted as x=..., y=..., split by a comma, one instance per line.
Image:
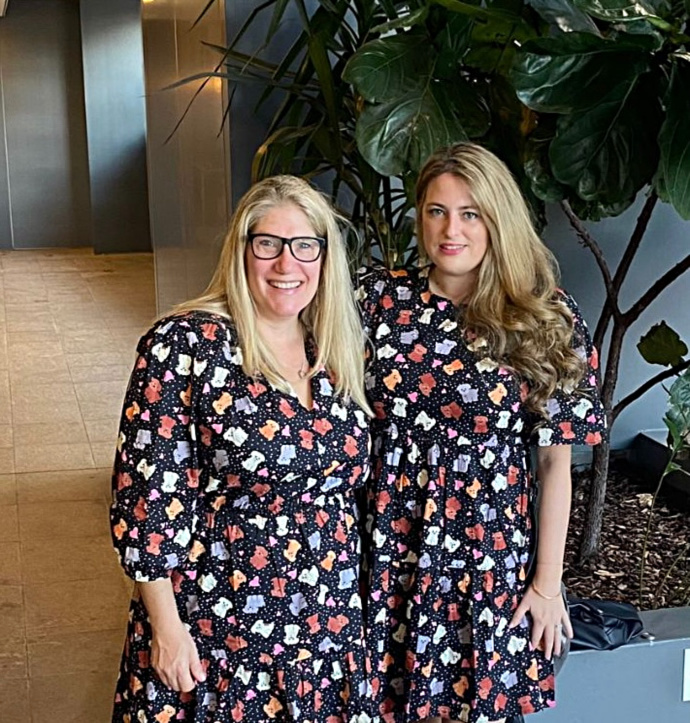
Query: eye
x=266, y=242
x=435, y=211
x=470, y=215
x=306, y=243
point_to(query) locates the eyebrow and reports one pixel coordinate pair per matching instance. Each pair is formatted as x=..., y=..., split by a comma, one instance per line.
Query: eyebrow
x=473, y=207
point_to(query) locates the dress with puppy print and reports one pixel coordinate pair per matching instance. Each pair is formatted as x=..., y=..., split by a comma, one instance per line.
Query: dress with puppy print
x=245, y=499
x=449, y=507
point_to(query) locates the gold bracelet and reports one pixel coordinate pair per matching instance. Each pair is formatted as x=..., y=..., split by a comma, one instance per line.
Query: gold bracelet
x=541, y=594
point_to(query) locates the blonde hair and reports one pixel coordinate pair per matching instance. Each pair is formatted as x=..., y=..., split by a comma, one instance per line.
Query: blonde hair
x=331, y=319
x=514, y=306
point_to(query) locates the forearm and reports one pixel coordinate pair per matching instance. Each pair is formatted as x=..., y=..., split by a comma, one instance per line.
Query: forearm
x=553, y=472
x=159, y=600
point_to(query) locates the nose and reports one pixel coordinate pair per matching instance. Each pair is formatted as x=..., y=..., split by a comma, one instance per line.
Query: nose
x=453, y=225
x=286, y=261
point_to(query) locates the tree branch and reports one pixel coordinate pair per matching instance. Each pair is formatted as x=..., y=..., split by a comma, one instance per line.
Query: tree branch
x=655, y=289
x=643, y=388
x=635, y=240
x=598, y=254
x=624, y=265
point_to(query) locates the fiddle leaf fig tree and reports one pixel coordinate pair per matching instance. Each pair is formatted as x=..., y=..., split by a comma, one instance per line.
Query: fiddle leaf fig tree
x=586, y=101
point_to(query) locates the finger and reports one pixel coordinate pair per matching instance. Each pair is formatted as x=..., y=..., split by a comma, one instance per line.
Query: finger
x=186, y=682
x=519, y=613
x=548, y=638
x=197, y=670
x=537, y=634
x=558, y=640
x=568, y=627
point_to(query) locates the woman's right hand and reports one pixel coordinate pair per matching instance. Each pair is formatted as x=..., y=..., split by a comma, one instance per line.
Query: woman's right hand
x=175, y=658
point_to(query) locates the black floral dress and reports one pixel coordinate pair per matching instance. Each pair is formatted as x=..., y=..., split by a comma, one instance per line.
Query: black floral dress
x=246, y=499
x=449, y=508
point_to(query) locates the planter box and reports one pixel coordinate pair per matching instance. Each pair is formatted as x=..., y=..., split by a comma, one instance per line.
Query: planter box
x=649, y=456
x=641, y=682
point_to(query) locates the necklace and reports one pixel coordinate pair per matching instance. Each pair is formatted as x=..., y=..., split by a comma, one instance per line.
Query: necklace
x=303, y=371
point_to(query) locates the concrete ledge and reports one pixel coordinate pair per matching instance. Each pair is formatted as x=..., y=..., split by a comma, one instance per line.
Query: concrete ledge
x=638, y=683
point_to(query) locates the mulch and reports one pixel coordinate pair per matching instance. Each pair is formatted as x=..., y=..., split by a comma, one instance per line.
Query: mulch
x=615, y=572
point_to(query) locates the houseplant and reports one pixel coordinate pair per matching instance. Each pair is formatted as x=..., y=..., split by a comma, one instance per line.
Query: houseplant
x=587, y=103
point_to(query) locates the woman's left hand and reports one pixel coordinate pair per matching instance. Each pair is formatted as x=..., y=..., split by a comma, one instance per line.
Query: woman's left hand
x=549, y=617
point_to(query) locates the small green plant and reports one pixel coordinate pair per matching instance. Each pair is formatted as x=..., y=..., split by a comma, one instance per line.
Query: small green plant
x=586, y=101
x=677, y=421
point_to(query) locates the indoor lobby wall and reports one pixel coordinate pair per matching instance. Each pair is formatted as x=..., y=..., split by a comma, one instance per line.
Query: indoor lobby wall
x=189, y=170
x=44, y=186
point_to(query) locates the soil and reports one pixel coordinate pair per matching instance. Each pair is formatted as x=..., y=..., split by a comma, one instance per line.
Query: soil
x=615, y=573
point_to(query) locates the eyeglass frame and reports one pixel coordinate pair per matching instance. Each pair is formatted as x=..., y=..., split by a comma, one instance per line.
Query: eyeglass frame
x=323, y=244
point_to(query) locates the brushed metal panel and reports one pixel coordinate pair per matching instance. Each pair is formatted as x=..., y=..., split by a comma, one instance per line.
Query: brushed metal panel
x=44, y=115
x=5, y=206
x=113, y=64
x=188, y=176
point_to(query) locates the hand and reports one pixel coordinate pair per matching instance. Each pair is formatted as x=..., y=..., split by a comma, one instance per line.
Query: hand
x=175, y=658
x=549, y=617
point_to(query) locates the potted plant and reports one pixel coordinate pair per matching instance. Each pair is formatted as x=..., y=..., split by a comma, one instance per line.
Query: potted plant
x=586, y=101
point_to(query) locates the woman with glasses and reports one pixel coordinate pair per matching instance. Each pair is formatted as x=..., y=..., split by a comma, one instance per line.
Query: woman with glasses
x=243, y=438
x=478, y=359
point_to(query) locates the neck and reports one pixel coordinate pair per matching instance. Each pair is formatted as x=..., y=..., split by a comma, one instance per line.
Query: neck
x=274, y=330
x=456, y=288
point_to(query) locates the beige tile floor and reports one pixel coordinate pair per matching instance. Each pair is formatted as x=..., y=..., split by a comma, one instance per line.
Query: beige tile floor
x=69, y=322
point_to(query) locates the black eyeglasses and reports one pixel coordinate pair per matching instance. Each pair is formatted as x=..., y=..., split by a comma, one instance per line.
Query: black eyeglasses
x=303, y=248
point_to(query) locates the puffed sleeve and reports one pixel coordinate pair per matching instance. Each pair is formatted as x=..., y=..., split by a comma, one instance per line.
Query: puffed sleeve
x=575, y=416
x=370, y=283
x=156, y=474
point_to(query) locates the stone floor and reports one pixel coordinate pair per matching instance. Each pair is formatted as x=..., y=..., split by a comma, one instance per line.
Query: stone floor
x=69, y=322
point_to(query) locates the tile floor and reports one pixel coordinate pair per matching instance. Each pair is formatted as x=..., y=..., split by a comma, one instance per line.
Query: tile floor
x=69, y=322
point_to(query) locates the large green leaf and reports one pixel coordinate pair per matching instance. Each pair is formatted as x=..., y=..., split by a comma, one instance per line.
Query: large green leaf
x=564, y=15
x=677, y=417
x=627, y=10
x=494, y=44
x=662, y=345
x=674, y=138
x=655, y=39
x=609, y=152
x=597, y=211
x=400, y=135
x=405, y=21
x=452, y=42
x=543, y=184
x=387, y=68
x=573, y=71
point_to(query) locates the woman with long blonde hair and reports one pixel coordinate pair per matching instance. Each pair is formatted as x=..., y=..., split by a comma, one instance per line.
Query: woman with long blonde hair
x=477, y=359
x=244, y=436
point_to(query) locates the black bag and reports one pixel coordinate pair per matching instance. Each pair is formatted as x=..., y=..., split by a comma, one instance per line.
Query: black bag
x=602, y=624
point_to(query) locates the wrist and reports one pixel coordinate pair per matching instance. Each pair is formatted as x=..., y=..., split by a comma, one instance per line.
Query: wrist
x=549, y=593
x=166, y=624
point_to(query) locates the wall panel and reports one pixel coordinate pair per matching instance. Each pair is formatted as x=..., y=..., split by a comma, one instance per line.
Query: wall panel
x=188, y=171
x=40, y=56
x=116, y=124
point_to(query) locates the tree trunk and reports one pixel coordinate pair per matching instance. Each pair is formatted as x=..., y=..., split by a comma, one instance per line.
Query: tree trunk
x=591, y=532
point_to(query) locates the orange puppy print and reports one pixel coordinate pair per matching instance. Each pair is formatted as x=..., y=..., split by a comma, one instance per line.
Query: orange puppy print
x=392, y=380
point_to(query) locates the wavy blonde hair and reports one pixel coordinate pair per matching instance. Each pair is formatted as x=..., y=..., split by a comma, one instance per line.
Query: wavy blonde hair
x=331, y=319
x=515, y=306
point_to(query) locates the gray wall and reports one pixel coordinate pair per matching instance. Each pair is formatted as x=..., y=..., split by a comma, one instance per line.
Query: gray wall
x=113, y=64
x=44, y=191
x=666, y=243
x=640, y=682
x=188, y=172
x=249, y=123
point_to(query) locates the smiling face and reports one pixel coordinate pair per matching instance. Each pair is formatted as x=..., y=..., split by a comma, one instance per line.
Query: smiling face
x=454, y=234
x=282, y=287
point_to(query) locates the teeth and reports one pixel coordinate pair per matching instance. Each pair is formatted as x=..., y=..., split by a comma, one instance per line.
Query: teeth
x=285, y=284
